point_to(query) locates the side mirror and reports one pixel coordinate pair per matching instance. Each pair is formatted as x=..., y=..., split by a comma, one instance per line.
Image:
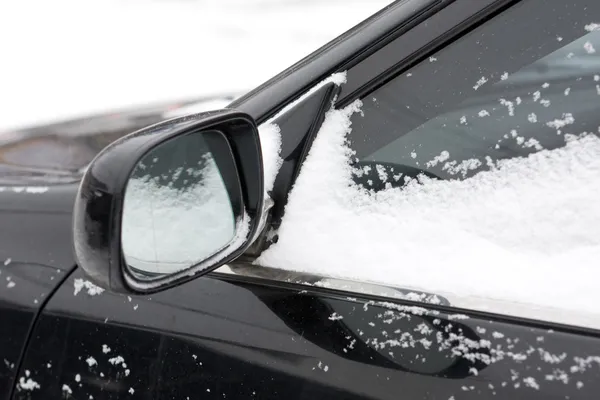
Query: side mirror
x=170, y=202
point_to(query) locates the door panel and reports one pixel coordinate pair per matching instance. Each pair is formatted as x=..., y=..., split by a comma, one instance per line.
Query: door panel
x=23, y=289
x=213, y=338
x=34, y=228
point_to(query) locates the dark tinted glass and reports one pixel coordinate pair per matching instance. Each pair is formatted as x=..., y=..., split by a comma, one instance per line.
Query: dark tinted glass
x=524, y=81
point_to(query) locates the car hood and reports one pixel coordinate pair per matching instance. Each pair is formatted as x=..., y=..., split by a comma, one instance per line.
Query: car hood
x=59, y=153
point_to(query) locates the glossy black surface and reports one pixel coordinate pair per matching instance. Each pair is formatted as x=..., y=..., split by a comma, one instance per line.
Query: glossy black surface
x=24, y=288
x=35, y=241
x=215, y=339
x=99, y=202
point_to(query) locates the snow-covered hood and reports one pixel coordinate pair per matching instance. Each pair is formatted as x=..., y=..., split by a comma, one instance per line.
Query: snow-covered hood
x=59, y=152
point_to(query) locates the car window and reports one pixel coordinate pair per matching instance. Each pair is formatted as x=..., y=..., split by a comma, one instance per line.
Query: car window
x=454, y=116
x=476, y=172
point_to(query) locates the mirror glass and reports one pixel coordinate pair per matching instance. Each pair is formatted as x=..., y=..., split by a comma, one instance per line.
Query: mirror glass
x=181, y=204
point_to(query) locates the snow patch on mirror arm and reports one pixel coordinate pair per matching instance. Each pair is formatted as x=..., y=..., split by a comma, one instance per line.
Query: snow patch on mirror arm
x=270, y=143
x=270, y=133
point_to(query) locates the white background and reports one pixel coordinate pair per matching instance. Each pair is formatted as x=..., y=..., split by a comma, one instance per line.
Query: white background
x=67, y=58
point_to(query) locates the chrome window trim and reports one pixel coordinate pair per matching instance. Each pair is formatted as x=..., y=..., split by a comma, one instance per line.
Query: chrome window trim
x=541, y=314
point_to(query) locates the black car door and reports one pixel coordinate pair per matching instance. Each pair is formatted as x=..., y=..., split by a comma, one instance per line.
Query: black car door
x=222, y=337
x=257, y=332
x=35, y=227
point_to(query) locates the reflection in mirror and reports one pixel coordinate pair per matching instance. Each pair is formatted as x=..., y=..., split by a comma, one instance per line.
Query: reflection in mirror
x=181, y=204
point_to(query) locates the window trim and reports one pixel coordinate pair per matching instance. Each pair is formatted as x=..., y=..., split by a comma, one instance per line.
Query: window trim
x=546, y=317
x=352, y=46
x=410, y=47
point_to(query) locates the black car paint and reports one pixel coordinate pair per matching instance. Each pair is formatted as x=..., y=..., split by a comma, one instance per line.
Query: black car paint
x=35, y=255
x=216, y=338
x=254, y=338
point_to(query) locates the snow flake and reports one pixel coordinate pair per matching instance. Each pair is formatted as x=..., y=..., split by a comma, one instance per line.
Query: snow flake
x=567, y=119
x=91, y=289
x=480, y=82
x=589, y=48
x=116, y=360
x=443, y=156
x=91, y=361
x=592, y=27
x=510, y=105
x=66, y=389
x=383, y=176
x=28, y=384
x=531, y=382
x=335, y=317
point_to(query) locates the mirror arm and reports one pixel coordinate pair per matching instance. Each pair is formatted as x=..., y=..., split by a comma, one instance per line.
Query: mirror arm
x=258, y=241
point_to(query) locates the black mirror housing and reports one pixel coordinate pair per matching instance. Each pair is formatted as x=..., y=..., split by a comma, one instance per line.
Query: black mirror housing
x=100, y=201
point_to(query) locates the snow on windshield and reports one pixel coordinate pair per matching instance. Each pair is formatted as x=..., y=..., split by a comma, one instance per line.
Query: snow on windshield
x=527, y=230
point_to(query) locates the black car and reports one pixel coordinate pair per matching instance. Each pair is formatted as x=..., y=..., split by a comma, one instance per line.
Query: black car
x=409, y=212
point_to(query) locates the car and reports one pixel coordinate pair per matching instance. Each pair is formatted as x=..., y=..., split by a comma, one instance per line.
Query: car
x=409, y=212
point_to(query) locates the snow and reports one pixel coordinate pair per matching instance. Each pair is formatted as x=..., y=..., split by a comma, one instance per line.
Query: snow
x=67, y=389
x=91, y=289
x=270, y=143
x=28, y=384
x=91, y=361
x=270, y=134
x=116, y=360
x=491, y=236
x=130, y=52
